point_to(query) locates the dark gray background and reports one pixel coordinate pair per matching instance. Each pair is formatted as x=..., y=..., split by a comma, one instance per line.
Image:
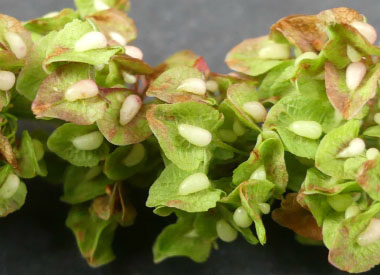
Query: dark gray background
x=35, y=241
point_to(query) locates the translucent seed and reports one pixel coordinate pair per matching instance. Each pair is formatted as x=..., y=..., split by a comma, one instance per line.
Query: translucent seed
x=225, y=231
x=340, y=202
x=117, y=37
x=304, y=56
x=99, y=5
x=134, y=52
x=365, y=29
x=264, y=207
x=256, y=110
x=88, y=142
x=307, y=129
x=51, y=14
x=372, y=153
x=355, y=73
x=135, y=156
x=238, y=128
x=10, y=186
x=129, y=78
x=275, y=51
x=194, y=183
x=38, y=149
x=352, y=211
x=259, y=174
x=91, y=41
x=227, y=135
x=371, y=234
x=376, y=118
x=193, y=85
x=17, y=45
x=355, y=147
x=195, y=135
x=241, y=217
x=212, y=86
x=356, y=196
x=131, y=106
x=82, y=89
x=7, y=80
x=353, y=54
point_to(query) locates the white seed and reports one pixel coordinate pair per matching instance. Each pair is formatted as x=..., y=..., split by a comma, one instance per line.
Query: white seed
x=238, y=128
x=129, y=78
x=365, y=29
x=256, y=110
x=194, y=183
x=134, y=52
x=227, y=135
x=351, y=211
x=10, y=186
x=241, y=217
x=304, y=56
x=371, y=234
x=353, y=54
x=51, y=14
x=212, y=86
x=275, y=51
x=372, y=153
x=340, y=202
x=131, y=106
x=91, y=41
x=307, y=129
x=88, y=142
x=193, y=85
x=376, y=118
x=38, y=149
x=264, y=207
x=355, y=73
x=82, y=89
x=99, y=5
x=17, y=45
x=99, y=67
x=117, y=37
x=355, y=147
x=195, y=135
x=135, y=156
x=7, y=80
x=259, y=174
x=225, y=231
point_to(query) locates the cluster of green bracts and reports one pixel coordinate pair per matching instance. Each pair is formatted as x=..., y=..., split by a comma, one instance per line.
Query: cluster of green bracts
x=297, y=123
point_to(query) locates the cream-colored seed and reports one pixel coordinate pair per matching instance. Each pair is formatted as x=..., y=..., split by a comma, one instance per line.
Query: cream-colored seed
x=372, y=153
x=353, y=54
x=7, y=80
x=355, y=73
x=134, y=52
x=225, y=231
x=365, y=29
x=238, y=128
x=10, y=186
x=51, y=14
x=135, y=156
x=117, y=37
x=193, y=85
x=91, y=41
x=351, y=211
x=264, y=207
x=99, y=5
x=212, y=86
x=305, y=56
x=259, y=173
x=241, y=217
x=275, y=51
x=376, y=118
x=99, y=67
x=355, y=147
x=195, y=135
x=129, y=78
x=256, y=110
x=371, y=234
x=307, y=129
x=88, y=142
x=131, y=106
x=17, y=45
x=82, y=89
x=194, y=183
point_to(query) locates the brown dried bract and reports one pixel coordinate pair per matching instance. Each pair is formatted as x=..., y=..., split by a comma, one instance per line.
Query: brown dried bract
x=7, y=152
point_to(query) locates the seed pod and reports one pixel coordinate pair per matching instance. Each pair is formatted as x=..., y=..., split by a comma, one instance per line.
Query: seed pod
x=7, y=80
x=372, y=153
x=225, y=231
x=351, y=211
x=9, y=187
x=275, y=51
x=241, y=217
x=117, y=37
x=376, y=118
x=194, y=183
x=306, y=55
x=88, y=142
x=99, y=5
x=227, y=135
x=259, y=174
x=91, y=41
x=356, y=147
x=212, y=86
x=193, y=85
x=82, y=89
x=195, y=135
x=264, y=207
x=365, y=29
x=38, y=149
x=134, y=52
x=131, y=106
x=355, y=73
x=371, y=234
x=307, y=129
x=238, y=128
x=129, y=78
x=340, y=202
x=256, y=110
x=135, y=156
x=353, y=54
x=17, y=45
